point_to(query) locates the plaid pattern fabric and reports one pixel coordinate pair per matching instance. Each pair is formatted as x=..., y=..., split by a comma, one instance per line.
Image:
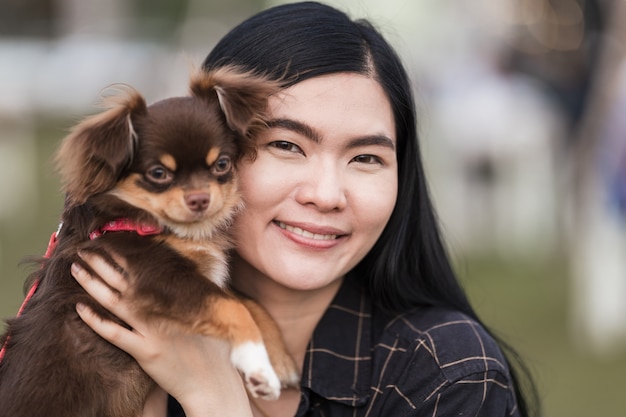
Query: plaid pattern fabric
x=429, y=362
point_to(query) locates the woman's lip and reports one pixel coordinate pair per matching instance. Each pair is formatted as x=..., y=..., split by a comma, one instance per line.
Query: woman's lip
x=309, y=231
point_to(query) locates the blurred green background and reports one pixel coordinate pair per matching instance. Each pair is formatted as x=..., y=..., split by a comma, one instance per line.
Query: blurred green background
x=522, y=271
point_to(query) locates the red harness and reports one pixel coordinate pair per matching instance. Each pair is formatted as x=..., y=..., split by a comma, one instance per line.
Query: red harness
x=118, y=225
x=125, y=225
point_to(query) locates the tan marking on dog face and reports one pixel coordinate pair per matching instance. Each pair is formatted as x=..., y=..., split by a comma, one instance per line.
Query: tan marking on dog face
x=170, y=209
x=212, y=156
x=168, y=162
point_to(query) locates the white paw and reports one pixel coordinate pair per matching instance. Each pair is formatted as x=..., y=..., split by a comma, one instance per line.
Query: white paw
x=252, y=360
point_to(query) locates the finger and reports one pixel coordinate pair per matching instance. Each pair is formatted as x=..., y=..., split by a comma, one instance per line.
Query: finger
x=123, y=338
x=113, y=275
x=101, y=292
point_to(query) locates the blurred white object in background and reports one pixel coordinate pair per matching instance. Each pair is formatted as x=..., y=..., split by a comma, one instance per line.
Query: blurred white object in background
x=598, y=236
x=496, y=135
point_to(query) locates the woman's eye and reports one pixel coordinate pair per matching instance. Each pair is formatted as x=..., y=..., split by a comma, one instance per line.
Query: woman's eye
x=222, y=165
x=159, y=174
x=367, y=159
x=283, y=145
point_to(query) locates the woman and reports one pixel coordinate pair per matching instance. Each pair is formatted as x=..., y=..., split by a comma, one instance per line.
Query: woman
x=339, y=242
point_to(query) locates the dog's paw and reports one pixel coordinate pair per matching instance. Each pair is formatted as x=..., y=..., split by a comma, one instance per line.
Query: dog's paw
x=262, y=385
x=252, y=361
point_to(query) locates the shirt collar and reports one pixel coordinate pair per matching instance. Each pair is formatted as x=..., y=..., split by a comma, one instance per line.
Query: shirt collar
x=337, y=365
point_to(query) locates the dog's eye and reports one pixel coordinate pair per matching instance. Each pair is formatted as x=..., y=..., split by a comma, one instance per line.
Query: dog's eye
x=159, y=174
x=222, y=165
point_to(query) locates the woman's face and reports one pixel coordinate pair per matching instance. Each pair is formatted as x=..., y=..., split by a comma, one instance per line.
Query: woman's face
x=323, y=184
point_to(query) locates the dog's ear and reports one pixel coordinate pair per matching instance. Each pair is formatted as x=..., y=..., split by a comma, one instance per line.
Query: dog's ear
x=242, y=95
x=97, y=150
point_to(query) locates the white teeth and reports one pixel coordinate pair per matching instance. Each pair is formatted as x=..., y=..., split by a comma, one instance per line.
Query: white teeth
x=305, y=233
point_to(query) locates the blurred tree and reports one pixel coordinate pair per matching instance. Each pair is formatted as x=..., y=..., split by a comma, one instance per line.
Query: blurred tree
x=558, y=43
x=157, y=18
x=27, y=18
x=597, y=259
x=160, y=19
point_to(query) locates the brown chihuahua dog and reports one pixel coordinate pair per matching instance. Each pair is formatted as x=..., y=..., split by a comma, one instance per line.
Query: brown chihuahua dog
x=157, y=186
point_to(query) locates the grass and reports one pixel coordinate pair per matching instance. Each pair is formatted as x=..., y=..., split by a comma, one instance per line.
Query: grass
x=526, y=302
x=26, y=235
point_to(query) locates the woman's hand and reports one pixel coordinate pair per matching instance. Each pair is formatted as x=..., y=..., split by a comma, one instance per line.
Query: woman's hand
x=194, y=369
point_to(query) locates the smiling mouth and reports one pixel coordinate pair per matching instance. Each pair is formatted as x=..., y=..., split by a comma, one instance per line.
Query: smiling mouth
x=304, y=233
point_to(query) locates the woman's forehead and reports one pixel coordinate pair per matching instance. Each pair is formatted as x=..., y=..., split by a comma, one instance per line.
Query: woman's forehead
x=341, y=102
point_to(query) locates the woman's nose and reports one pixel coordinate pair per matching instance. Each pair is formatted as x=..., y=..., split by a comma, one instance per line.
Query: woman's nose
x=324, y=188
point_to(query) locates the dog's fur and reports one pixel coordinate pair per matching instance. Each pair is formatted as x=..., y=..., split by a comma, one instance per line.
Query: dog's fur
x=170, y=165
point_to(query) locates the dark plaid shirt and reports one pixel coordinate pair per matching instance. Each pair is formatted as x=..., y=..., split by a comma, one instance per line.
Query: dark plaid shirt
x=429, y=362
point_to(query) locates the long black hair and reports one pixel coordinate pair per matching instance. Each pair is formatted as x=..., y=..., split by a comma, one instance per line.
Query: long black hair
x=409, y=265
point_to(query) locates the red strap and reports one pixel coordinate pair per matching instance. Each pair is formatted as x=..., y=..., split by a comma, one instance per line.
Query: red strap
x=125, y=225
x=118, y=225
x=52, y=243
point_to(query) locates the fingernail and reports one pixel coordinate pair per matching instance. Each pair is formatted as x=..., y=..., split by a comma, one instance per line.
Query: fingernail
x=80, y=307
x=76, y=268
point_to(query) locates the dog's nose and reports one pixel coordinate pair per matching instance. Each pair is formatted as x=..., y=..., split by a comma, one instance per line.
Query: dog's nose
x=197, y=201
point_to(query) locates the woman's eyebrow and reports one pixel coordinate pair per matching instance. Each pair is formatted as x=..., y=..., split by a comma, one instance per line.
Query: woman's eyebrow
x=296, y=126
x=372, y=140
x=310, y=133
